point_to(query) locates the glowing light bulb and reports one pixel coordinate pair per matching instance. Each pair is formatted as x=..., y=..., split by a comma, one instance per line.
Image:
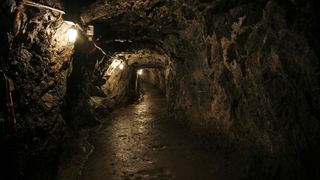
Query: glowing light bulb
x=72, y=35
x=121, y=66
x=140, y=72
x=115, y=63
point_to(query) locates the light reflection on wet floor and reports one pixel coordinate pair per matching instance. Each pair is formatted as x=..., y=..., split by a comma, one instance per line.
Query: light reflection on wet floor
x=142, y=143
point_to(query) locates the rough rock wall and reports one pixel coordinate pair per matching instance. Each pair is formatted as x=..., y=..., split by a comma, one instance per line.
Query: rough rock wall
x=264, y=72
x=38, y=63
x=120, y=86
x=77, y=109
x=96, y=86
x=255, y=88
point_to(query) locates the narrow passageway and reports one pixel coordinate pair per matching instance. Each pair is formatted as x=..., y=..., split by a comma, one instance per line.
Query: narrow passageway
x=241, y=81
x=142, y=143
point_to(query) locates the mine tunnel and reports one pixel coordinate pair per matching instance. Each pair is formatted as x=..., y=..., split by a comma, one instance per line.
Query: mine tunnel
x=159, y=89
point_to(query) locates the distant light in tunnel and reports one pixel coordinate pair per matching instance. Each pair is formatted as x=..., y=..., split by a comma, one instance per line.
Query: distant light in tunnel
x=72, y=35
x=140, y=72
x=90, y=32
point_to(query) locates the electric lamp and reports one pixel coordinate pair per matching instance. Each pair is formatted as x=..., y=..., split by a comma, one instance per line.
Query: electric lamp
x=140, y=72
x=72, y=34
x=121, y=66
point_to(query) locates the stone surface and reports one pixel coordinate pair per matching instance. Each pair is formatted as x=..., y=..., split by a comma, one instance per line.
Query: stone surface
x=37, y=61
x=141, y=142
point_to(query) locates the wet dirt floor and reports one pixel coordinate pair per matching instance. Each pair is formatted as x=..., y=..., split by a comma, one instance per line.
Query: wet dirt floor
x=141, y=142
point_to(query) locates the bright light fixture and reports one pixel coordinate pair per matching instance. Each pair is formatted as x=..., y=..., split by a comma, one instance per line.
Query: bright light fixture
x=115, y=63
x=72, y=35
x=140, y=72
x=121, y=66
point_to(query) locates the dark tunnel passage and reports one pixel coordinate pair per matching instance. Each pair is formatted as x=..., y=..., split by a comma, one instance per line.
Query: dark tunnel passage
x=159, y=89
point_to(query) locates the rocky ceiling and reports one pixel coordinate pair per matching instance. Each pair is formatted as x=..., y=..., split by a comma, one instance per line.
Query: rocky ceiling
x=143, y=58
x=137, y=19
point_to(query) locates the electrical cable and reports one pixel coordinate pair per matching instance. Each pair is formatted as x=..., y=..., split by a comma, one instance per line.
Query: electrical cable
x=38, y=5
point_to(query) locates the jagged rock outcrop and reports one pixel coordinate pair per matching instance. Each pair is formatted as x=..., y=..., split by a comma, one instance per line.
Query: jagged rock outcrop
x=38, y=61
x=263, y=71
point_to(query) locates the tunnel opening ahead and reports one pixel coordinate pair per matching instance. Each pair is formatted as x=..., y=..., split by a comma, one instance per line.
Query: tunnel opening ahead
x=156, y=77
x=99, y=83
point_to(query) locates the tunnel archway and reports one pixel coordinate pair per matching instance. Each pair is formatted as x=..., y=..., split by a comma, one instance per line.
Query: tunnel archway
x=121, y=76
x=100, y=81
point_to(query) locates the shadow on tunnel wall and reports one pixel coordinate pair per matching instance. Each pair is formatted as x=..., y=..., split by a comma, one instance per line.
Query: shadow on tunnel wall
x=76, y=109
x=89, y=83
